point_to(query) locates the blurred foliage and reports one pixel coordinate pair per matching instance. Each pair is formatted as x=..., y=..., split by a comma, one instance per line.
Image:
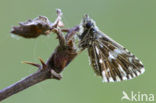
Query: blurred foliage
x=130, y=22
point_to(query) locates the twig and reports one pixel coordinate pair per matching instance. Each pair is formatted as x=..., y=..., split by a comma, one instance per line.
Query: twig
x=25, y=83
x=64, y=53
x=55, y=65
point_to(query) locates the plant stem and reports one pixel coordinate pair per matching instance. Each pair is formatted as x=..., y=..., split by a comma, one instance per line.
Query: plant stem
x=31, y=80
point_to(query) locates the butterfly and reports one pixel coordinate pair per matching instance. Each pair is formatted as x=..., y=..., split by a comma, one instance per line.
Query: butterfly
x=109, y=59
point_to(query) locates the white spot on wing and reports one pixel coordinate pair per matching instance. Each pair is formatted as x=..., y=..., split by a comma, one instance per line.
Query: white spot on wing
x=101, y=61
x=101, y=45
x=142, y=70
x=136, y=58
x=126, y=50
x=140, y=62
x=104, y=76
x=111, y=79
x=111, y=57
x=117, y=78
x=137, y=73
x=118, y=51
x=97, y=50
x=108, y=70
x=100, y=36
x=130, y=77
x=124, y=78
x=133, y=75
x=114, y=54
x=130, y=59
x=121, y=70
x=130, y=68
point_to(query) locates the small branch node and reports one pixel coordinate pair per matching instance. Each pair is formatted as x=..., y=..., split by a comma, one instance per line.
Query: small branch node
x=55, y=75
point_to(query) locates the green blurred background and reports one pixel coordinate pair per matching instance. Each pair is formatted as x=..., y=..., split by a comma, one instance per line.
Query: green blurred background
x=130, y=22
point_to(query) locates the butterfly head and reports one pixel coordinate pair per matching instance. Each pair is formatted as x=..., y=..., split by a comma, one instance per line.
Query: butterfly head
x=87, y=22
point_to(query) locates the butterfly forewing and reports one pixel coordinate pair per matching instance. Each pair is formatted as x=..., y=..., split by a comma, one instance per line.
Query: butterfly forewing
x=112, y=61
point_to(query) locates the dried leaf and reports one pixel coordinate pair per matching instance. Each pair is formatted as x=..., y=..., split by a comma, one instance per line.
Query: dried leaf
x=33, y=28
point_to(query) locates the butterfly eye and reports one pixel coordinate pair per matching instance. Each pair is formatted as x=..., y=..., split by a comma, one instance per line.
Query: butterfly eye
x=89, y=25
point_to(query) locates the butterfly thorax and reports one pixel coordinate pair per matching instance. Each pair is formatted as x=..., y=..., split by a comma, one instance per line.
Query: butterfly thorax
x=88, y=37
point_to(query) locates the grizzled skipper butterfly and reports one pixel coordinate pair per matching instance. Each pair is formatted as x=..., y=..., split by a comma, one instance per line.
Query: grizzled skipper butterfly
x=109, y=59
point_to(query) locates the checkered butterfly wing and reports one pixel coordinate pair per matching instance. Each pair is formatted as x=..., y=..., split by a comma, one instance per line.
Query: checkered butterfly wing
x=112, y=61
